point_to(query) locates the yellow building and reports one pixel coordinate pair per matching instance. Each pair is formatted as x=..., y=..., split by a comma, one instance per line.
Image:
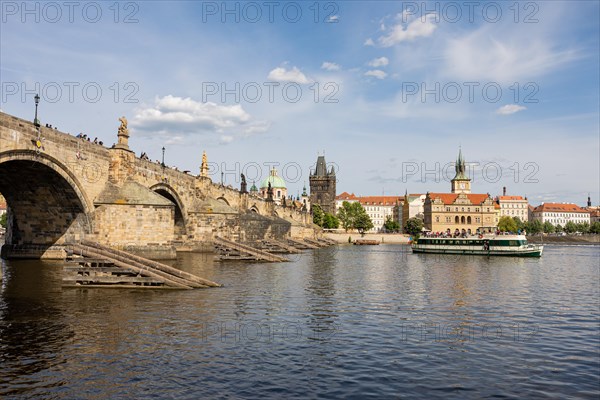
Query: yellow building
x=459, y=210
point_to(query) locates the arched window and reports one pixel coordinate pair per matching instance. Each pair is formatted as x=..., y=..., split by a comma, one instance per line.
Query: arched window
x=456, y=220
x=462, y=219
x=469, y=220
x=278, y=193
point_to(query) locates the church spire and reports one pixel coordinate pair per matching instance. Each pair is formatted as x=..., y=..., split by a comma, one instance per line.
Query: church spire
x=460, y=167
x=461, y=182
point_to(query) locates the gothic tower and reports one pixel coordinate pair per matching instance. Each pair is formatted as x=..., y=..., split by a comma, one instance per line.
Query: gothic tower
x=322, y=186
x=461, y=182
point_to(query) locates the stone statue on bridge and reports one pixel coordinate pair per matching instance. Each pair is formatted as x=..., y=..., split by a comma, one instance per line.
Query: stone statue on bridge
x=269, y=192
x=123, y=135
x=244, y=185
x=204, y=166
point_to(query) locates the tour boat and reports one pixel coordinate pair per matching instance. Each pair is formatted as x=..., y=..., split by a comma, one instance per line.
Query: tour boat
x=483, y=245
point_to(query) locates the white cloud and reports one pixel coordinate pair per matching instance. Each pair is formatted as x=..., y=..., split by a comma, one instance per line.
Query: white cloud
x=369, y=42
x=510, y=109
x=377, y=73
x=226, y=139
x=280, y=74
x=421, y=27
x=330, y=66
x=333, y=19
x=256, y=127
x=502, y=56
x=177, y=116
x=379, y=62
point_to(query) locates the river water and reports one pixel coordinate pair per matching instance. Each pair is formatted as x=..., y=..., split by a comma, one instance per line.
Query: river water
x=340, y=322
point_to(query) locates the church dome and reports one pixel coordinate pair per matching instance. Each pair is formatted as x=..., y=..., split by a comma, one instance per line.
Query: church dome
x=276, y=181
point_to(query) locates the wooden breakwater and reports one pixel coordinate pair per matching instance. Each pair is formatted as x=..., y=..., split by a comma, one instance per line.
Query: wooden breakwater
x=100, y=265
x=267, y=250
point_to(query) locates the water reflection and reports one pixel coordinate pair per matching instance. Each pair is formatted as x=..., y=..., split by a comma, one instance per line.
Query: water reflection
x=334, y=322
x=33, y=330
x=320, y=293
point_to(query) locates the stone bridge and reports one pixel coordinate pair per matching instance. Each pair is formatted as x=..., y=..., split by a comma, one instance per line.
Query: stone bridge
x=60, y=189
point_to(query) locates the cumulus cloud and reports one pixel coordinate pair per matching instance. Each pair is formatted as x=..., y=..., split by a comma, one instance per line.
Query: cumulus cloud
x=281, y=74
x=401, y=32
x=377, y=73
x=369, y=42
x=329, y=66
x=510, y=109
x=379, y=62
x=177, y=116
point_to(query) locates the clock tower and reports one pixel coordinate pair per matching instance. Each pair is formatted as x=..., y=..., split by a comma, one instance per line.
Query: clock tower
x=461, y=182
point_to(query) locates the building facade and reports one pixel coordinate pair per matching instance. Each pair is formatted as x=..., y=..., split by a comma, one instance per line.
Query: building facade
x=3, y=206
x=378, y=208
x=513, y=206
x=459, y=210
x=322, y=184
x=561, y=213
x=413, y=207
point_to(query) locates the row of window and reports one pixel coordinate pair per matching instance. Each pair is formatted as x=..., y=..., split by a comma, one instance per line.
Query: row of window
x=460, y=220
x=563, y=215
x=464, y=209
x=504, y=205
x=463, y=242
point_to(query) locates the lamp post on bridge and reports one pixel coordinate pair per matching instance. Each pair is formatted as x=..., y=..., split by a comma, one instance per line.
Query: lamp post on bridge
x=163, y=157
x=36, y=122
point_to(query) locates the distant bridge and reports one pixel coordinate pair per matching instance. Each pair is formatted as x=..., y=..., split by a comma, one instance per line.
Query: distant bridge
x=60, y=189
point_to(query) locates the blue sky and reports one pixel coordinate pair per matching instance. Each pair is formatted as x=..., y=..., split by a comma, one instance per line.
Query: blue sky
x=388, y=90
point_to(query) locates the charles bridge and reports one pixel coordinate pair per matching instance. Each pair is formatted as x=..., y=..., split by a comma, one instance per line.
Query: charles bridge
x=62, y=189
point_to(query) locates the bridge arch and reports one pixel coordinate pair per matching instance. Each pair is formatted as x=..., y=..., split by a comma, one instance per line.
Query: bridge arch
x=254, y=209
x=224, y=200
x=47, y=202
x=167, y=191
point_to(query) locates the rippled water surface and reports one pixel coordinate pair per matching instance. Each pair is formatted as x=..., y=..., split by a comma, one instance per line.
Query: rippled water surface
x=345, y=322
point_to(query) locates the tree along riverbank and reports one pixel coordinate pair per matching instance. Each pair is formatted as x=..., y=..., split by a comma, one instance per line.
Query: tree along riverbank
x=384, y=238
x=567, y=239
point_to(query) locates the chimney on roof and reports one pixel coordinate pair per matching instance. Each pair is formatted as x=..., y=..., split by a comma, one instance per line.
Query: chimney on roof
x=504, y=191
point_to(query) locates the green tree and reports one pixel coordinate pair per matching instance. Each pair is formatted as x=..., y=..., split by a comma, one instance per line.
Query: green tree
x=595, y=227
x=330, y=221
x=353, y=216
x=548, y=227
x=520, y=224
x=391, y=226
x=583, y=227
x=363, y=222
x=318, y=215
x=534, y=227
x=346, y=215
x=570, y=227
x=507, y=224
x=3, y=220
x=558, y=228
x=413, y=226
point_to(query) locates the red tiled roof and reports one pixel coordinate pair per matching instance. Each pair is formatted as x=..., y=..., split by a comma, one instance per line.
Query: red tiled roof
x=510, y=198
x=346, y=196
x=560, y=207
x=450, y=198
x=371, y=200
x=379, y=200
